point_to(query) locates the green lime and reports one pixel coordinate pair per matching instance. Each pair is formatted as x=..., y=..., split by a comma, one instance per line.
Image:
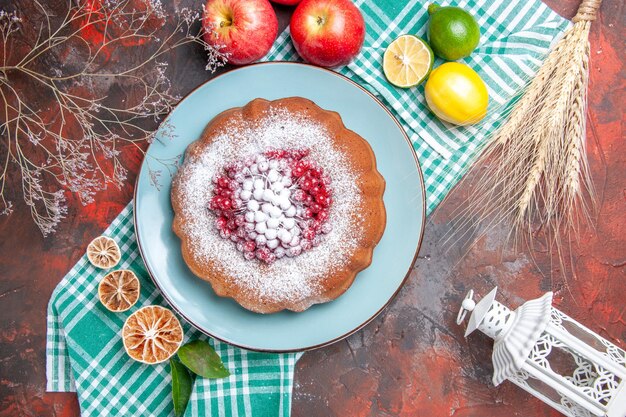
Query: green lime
x=452, y=32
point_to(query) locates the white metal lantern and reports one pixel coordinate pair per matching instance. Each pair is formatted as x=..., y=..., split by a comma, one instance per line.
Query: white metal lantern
x=551, y=356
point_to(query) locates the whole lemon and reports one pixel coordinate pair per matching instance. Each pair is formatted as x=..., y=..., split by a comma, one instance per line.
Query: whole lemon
x=452, y=32
x=456, y=94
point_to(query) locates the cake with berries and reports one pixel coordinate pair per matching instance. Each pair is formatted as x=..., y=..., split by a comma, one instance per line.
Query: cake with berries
x=278, y=205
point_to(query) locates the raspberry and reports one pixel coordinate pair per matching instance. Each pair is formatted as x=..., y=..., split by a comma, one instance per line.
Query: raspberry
x=226, y=204
x=316, y=225
x=308, y=234
x=322, y=216
x=315, y=172
x=270, y=258
x=316, y=191
x=322, y=199
x=220, y=222
x=276, y=154
x=223, y=182
x=263, y=254
x=297, y=172
x=299, y=195
x=306, y=184
x=304, y=208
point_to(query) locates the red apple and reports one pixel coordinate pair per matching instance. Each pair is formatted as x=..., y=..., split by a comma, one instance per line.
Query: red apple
x=245, y=29
x=328, y=33
x=287, y=2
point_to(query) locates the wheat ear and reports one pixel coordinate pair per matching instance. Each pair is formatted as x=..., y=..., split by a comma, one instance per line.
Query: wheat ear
x=534, y=168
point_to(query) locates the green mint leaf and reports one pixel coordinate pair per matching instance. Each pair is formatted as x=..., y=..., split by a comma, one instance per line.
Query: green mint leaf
x=201, y=359
x=181, y=387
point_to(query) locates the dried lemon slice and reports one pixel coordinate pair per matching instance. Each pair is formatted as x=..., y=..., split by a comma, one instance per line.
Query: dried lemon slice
x=119, y=290
x=152, y=334
x=103, y=252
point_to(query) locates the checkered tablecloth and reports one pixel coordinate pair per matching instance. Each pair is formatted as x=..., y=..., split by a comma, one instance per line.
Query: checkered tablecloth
x=84, y=351
x=515, y=36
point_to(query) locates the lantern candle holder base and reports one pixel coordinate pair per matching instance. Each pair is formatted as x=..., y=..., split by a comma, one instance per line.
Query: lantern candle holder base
x=550, y=355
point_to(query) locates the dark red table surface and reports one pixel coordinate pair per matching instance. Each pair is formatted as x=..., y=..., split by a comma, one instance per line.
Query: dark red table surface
x=412, y=360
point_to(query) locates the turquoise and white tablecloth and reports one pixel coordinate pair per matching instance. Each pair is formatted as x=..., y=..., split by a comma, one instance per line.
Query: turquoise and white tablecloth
x=84, y=350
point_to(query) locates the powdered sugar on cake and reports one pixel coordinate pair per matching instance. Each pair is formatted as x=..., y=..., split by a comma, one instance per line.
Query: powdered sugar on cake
x=288, y=279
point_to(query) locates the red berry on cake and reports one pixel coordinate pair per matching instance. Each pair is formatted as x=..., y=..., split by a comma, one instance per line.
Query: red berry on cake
x=249, y=246
x=272, y=203
x=223, y=182
x=308, y=234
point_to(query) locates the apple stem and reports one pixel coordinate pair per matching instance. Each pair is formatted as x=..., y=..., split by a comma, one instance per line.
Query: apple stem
x=320, y=20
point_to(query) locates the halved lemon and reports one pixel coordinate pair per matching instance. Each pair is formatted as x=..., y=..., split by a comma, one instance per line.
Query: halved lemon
x=152, y=334
x=103, y=252
x=119, y=290
x=407, y=61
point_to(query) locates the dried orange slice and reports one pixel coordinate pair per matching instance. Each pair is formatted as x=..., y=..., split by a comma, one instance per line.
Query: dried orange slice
x=103, y=252
x=152, y=334
x=119, y=290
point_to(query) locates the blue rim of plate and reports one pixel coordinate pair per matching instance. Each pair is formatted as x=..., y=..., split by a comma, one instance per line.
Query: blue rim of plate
x=360, y=326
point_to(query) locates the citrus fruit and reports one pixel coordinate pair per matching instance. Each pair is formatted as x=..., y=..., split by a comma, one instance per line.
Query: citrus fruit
x=452, y=32
x=407, y=61
x=152, y=334
x=119, y=290
x=456, y=94
x=103, y=252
